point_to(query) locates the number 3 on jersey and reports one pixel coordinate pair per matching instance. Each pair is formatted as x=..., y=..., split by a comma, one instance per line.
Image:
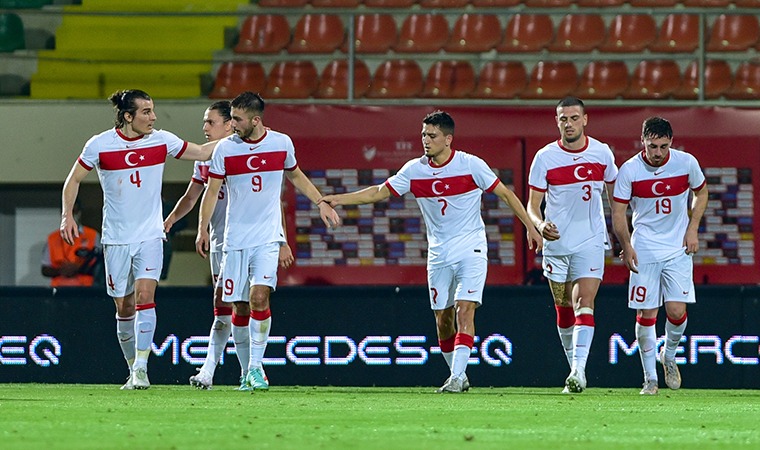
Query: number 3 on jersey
x=586, y=192
x=134, y=178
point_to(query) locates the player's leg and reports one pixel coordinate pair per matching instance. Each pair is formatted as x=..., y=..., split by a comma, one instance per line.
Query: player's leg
x=678, y=291
x=555, y=270
x=441, y=296
x=241, y=336
x=470, y=279
x=263, y=263
x=220, y=331
x=644, y=296
x=119, y=287
x=147, y=260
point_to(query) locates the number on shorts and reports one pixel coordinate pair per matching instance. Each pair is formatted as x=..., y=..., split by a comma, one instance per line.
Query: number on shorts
x=586, y=192
x=134, y=178
x=256, y=182
x=638, y=293
x=221, y=195
x=444, y=205
x=662, y=206
x=229, y=286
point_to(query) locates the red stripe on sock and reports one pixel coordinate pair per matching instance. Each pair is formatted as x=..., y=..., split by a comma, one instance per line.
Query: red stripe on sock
x=447, y=345
x=677, y=322
x=464, y=339
x=646, y=322
x=223, y=311
x=565, y=316
x=240, y=321
x=261, y=315
x=145, y=306
x=585, y=319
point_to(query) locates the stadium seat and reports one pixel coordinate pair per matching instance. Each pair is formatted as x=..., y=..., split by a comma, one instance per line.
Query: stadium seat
x=24, y=4
x=474, y=33
x=335, y=3
x=548, y=3
x=653, y=79
x=718, y=79
x=501, y=79
x=679, y=33
x=449, y=79
x=334, y=80
x=579, y=33
x=600, y=3
x=733, y=33
x=527, y=33
x=283, y=3
x=11, y=33
x=603, y=80
x=746, y=82
x=707, y=3
x=374, y=33
x=747, y=3
x=389, y=3
x=551, y=80
x=423, y=33
x=292, y=79
x=263, y=33
x=653, y=3
x=444, y=3
x=398, y=78
x=630, y=33
x=495, y=3
x=317, y=33
x=232, y=78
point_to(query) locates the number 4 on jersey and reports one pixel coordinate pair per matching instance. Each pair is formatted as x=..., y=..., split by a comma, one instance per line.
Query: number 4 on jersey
x=135, y=178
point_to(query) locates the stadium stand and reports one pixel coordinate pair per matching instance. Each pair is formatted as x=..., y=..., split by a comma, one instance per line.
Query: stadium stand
x=263, y=33
x=679, y=33
x=579, y=33
x=746, y=82
x=236, y=77
x=629, y=33
x=11, y=32
x=333, y=84
x=396, y=78
x=292, y=79
x=374, y=33
x=423, y=33
x=527, y=33
x=551, y=80
x=654, y=79
x=449, y=79
x=603, y=80
x=501, y=80
x=317, y=33
x=717, y=75
x=733, y=33
x=474, y=33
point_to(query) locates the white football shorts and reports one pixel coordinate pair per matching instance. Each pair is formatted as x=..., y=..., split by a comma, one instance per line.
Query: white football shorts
x=463, y=280
x=586, y=264
x=659, y=282
x=248, y=267
x=126, y=263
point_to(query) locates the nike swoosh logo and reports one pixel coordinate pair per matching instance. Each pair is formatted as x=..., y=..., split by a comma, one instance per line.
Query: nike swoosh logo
x=148, y=269
x=470, y=291
x=657, y=173
x=437, y=173
x=254, y=147
x=576, y=158
x=685, y=292
x=266, y=277
x=594, y=269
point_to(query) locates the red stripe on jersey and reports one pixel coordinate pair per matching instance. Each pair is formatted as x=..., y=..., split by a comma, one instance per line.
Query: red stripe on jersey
x=660, y=187
x=577, y=173
x=620, y=200
x=493, y=186
x=390, y=188
x=258, y=162
x=184, y=147
x=203, y=169
x=84, y=164
x=132, y=158
x=444, y=187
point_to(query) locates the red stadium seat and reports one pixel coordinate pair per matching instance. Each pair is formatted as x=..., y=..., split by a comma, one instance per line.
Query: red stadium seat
x=263, y=33
x=233, y=78
x=600, y=3
x=398, y=78
x=501, y=79
x=335, y=3
x=444, y=3
x=527, y=33
x=548, y=3
x=718, y=79
x=374, y=33
x=389, y=3
x=579, y=33
x=603, y=80
x=707, y=3
x=334, y=80
x=474, y=33
x=747, y=3
x=317, y=33
x=283, y=3
x=495, y=3
x=292, y=79
x=653, y=3
x=449, y=79
x=652, y=79
x=423, y=33
x=733, y=33
x=746, y=82
x=679, y=33
x=630, y=33
x=551, y=79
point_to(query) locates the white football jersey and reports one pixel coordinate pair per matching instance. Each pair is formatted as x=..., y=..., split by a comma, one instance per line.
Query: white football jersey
x=449, y=198
x=659, y=199
x=216, y=224
x=573, y=181
x=131, y=172
x=253, y=171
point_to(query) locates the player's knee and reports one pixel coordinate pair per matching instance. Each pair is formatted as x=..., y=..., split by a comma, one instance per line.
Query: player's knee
x=219, y=324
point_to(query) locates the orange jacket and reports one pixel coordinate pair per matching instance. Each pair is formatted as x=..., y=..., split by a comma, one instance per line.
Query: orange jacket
x=61, y=252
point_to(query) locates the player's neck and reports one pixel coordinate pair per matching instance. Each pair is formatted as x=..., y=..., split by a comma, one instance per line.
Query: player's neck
x=441, y=158
x=128, y=132
x=578, y=144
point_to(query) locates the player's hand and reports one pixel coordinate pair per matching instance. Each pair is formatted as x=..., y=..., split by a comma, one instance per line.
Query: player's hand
x=691, y=242
x=69, y=230
x=329, y=216
x=286, y=258
x=168, y=223
x=332, y=200
x=202, y=243
x=630, y=259
x=534, y=239
x=548, y=230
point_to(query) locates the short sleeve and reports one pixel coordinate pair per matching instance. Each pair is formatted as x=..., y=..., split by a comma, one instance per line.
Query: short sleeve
x=537, y=174
x=290, y=157
x=174, y=145
x=90, y=156
x=217, y=160
x=623, y=186
x=611, y=171
x=482, y=174
x=400, y=183
x=696, y=177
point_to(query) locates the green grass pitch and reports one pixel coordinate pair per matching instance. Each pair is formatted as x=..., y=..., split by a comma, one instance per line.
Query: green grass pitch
x=55, y=416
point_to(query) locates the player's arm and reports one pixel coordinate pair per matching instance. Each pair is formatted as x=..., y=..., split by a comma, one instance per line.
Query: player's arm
x=307, y=188
x=698, y=205
x=623, y=233
x=69, y=228
x=509, y=197
x=372, y=194
x=184, y=204
x=198, y=152
x=285, y=257
x=208, y=203
x=546, y=228
x=610, y=193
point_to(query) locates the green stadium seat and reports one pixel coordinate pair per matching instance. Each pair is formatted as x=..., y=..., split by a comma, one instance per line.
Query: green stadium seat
x=11, y=33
